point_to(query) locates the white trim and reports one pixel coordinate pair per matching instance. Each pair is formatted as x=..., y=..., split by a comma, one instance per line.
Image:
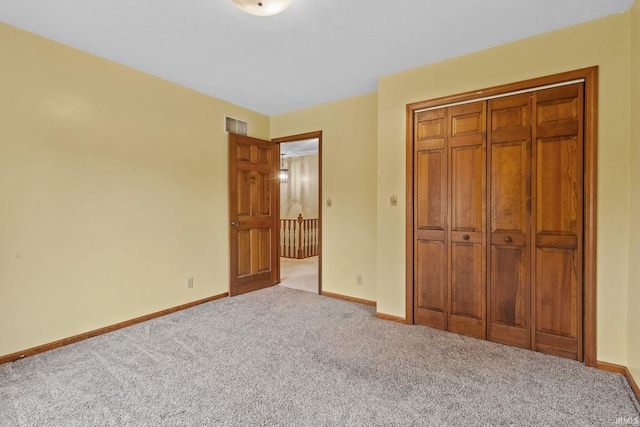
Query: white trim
x=501, y=95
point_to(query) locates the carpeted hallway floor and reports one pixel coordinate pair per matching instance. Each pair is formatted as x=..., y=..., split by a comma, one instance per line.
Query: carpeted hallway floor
x=290, y=358
x=299, y=274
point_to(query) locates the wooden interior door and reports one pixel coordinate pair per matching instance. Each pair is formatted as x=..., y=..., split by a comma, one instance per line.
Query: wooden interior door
x=558, y=219
x=430, y=218
x=253, y=214
x=509, y=164
x=467, y=239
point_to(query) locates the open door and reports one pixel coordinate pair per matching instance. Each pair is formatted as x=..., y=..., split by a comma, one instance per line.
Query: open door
x=253, y=214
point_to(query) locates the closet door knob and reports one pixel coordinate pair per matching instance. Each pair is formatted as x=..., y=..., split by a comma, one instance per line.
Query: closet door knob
x=508, y=239
x=235, y=223
x=465, y=237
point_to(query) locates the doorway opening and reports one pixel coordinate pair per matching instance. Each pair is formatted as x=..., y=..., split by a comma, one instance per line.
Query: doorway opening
x=299, y=211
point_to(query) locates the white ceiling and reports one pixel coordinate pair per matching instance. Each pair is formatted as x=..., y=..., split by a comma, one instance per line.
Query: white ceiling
x=314, y=52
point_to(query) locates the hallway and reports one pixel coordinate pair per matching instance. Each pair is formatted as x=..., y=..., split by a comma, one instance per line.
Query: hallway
x=301, y=274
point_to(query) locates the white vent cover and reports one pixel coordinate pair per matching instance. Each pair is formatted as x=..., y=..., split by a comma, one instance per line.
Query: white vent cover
x=235, y=126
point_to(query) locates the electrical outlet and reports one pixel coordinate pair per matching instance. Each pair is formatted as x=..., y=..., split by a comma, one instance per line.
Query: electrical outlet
x=359, y=279
x=190, y=283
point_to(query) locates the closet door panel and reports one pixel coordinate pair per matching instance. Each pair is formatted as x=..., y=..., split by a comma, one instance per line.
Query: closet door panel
x=510, y=187
x=557, y=186
x=508, y=312
x=467, y=177
x=509, y=220
x=430, y=276
x=558, y=213
x=430, y=219
x=467, y=313
x=431, y=189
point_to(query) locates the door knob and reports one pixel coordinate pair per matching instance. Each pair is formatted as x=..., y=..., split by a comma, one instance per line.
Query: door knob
x=235, y=223
x=508, y=239
x=465, y=237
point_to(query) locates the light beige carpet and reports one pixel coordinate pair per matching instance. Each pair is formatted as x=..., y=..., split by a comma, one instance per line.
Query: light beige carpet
x=282, y=357
x=301, y=274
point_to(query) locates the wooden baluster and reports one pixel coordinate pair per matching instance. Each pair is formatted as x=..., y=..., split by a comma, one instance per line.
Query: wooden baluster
x=313, y=238
x=288, y=240
x=310, y=238
x=299, y=252
x=306, y=238
x=292, y=237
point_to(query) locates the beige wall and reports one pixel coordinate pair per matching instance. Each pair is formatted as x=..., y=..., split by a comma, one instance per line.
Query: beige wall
x=605, y=43
x=349, y=179
x=113, y=183
x=634, y=229
x=113, y=190
x=300, y=194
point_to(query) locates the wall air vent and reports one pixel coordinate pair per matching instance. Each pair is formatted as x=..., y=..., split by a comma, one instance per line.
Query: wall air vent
x=235, y=126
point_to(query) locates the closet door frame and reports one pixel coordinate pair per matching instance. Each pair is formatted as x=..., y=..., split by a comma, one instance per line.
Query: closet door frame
x=590, y=77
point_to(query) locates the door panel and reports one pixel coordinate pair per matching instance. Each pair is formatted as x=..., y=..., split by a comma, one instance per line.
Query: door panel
x=466, y=273
x=467, y=239
x=430, y=276
x=556, y=290
x=509, y=213
x=509, y=296
x=557, y=172
x=430, y=219
x=252, y=214
x=510, y=185
x=431, y=189
x=558, y=213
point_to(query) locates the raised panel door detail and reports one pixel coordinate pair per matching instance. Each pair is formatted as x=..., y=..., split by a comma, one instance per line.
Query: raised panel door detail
x=556, y=296
x=243, y=153
x=431, y=275
x=264, y=155
x=510, y=186
x=464, y=124
x=467, y=188
x=510, y=119
x=263, y=255
x=262, y=200
x=509, y=290
x=243, y=178
x=559, y=111
x=244, y=253
x=557, y=186
x=431, y=129
x=431, y=189
x=467, y=280
x=431, y=124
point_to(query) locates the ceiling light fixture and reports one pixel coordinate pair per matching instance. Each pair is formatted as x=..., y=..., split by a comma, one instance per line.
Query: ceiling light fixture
x=262, y=7
x=284, y=172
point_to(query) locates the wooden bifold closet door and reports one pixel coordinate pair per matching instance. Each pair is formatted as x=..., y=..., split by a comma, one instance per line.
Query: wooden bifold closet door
x=498, y=200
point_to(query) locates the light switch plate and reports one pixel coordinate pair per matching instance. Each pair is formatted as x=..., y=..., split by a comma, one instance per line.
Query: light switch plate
x=393, y=200
x=329, y=202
